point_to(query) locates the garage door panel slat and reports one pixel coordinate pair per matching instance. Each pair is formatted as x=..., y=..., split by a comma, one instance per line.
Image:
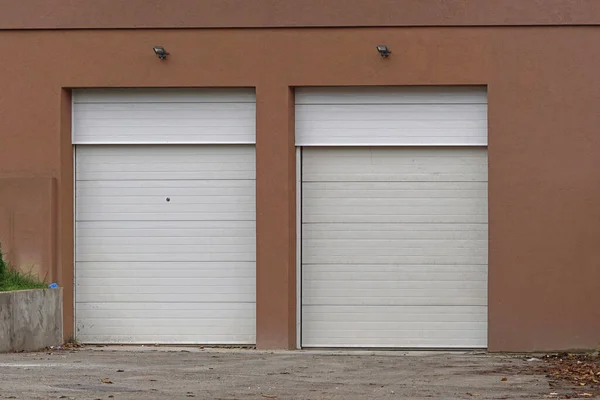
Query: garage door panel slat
x=396, y=297
x=176, y=339
x=163, y=270
x=183, y=282
x=199, y=198
x=183, y=241
x=164, y=95
x=198, y=257
x=393, y=177
x=187, y=328
x=398, y=260
x=200, y=299
x=408, y=243
x=240, y=174
x=355, y=190
x=433, y=232
x=180, y=115
x=172, y=206
x=118, y=153
x=375, y=201
x=160, y=217
x=385, y=250
x=424, y=282
x=115, y=187
x=159, y=164
x=393, y=219
x=238, y=287
x=393, y=95
x=384, y=326
x=186, y=136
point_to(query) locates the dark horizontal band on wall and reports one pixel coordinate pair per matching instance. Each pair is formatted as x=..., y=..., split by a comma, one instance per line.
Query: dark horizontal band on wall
x=118, y=14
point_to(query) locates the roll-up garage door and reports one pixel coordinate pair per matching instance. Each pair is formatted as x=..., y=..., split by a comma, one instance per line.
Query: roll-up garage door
x=165, y=216
x=394, y=217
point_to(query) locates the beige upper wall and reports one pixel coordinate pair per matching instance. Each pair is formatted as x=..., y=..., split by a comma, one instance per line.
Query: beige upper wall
x=108, y=14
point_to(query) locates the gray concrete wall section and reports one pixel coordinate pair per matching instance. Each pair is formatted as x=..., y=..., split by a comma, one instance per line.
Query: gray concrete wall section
x=30, y=319
x=5, y=322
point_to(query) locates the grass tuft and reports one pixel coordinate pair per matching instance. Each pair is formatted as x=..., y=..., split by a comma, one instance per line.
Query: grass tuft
x=12, y=279
x=3, y=266
x=72, y=343
x=16, y=280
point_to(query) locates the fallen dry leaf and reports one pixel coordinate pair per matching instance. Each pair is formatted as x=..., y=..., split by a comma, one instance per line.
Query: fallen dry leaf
x=106, y=380
x=270, y=396
x=570, y=371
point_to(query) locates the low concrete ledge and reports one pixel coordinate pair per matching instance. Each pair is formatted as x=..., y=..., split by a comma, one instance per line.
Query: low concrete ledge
x=30, y=319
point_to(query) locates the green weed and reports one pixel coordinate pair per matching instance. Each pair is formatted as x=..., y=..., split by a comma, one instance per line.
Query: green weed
x=12, y=279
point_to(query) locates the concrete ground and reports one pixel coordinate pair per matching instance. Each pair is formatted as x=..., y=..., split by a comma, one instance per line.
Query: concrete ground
x=177, y=373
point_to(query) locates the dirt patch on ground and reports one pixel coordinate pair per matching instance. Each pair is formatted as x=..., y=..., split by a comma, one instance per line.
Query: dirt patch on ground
x=571, y=375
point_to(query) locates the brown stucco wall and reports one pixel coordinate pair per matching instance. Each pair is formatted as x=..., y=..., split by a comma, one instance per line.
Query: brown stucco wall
x=544, y=185
x=112, y=14
x=27, y=224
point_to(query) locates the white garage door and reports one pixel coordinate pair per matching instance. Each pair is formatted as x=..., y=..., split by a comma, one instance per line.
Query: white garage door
x=165, y=216
x=394, y=217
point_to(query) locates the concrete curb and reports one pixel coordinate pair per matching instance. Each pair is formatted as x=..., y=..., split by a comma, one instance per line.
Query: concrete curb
x=30, y=319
